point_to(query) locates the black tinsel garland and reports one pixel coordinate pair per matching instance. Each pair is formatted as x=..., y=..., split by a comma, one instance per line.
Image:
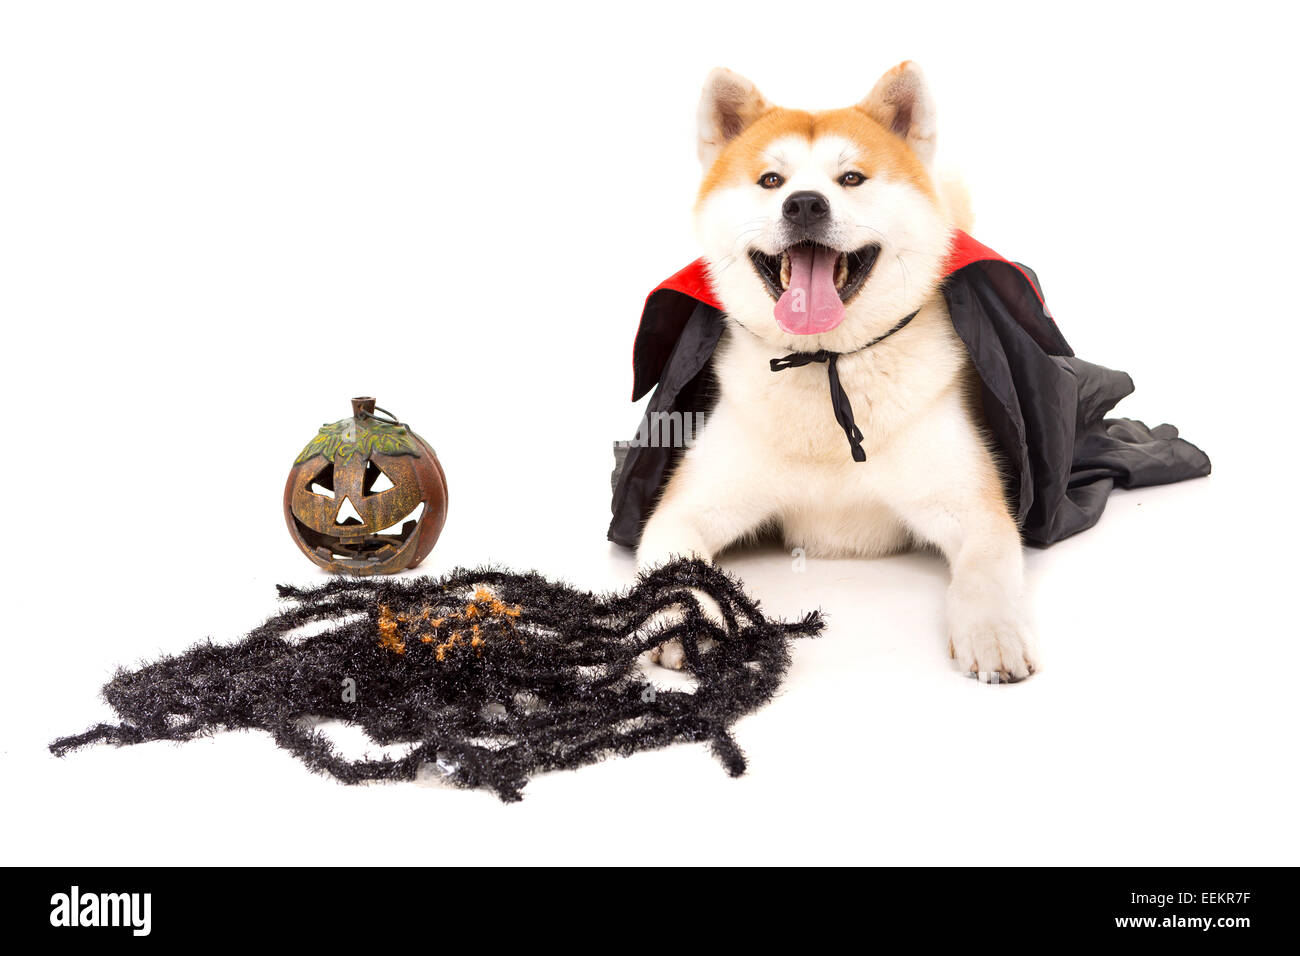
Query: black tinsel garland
x=489, y=675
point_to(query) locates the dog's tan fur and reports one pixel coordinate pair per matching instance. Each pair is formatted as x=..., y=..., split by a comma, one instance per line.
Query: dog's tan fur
x=743, y=159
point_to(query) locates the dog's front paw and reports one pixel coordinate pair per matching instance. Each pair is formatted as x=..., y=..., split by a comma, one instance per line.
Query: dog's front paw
x=997, y=648
x=668, y=654
x=671, y=653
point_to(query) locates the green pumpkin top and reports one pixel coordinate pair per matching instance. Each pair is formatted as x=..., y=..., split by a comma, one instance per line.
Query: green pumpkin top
x=362, y=436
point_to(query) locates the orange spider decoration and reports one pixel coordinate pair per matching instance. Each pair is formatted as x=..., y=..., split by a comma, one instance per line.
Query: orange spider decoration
x=484, y=607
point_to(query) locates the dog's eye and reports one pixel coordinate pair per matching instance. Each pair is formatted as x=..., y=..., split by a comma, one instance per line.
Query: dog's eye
x=852, y=178
x=771, y=180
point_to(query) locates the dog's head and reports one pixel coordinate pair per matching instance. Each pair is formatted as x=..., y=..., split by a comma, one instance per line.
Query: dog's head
x=821, y=230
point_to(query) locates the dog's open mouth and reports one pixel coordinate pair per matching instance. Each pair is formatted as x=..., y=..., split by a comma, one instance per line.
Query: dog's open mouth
x=811, y=283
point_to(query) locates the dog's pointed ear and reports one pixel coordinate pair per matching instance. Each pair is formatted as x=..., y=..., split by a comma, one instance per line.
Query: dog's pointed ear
x=901, y=103
x=729, y=104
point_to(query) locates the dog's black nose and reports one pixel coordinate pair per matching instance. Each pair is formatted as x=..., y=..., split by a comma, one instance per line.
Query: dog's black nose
x=805, y=208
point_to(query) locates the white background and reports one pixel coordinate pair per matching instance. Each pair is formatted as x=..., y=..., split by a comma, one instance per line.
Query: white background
x=220, y=221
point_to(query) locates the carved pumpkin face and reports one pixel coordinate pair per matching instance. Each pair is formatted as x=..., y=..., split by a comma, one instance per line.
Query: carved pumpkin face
x=366, y=496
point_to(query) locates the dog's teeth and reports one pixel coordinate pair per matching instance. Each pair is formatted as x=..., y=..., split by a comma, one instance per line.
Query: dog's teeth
x=785, y=270
x=841, y=271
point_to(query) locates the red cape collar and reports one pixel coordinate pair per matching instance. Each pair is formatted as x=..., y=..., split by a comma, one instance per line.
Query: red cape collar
x=694, y=279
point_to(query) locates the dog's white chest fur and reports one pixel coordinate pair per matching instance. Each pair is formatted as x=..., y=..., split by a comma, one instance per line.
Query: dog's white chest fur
x=779, y=428
x=888, y=385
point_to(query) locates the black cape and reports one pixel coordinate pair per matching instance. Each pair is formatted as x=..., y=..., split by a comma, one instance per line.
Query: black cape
x=1045, y=408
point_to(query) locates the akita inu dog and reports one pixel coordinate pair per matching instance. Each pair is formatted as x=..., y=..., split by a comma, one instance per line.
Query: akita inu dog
x=825, y=231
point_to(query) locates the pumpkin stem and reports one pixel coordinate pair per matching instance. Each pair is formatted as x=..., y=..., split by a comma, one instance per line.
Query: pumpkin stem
x=363, y=407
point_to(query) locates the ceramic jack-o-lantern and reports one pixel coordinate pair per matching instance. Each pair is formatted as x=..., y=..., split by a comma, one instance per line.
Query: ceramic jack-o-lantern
x=366, y=496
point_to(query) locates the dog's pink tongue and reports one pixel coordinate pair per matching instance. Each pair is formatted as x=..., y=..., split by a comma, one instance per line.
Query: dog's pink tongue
x=811, y=304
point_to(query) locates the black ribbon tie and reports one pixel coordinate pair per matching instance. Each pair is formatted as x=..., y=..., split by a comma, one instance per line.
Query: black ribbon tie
x=839, y=397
